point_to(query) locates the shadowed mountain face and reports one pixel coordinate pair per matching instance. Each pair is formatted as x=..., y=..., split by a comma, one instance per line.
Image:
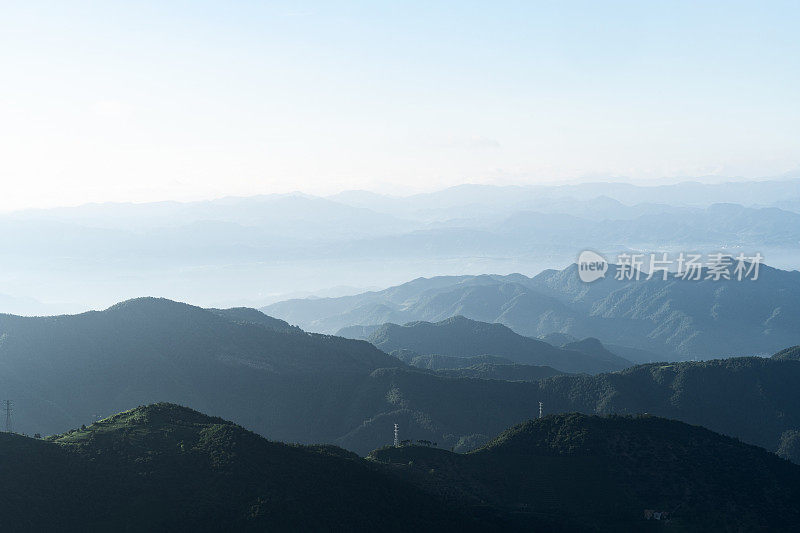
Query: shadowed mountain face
x=459, y=336
x=168, y=468
x=677, y=318
x=450, y=362
x=65, y=370
x=754, y=399
x=299, y=387
x=478, y=366
x=611, y=473
x=512, y=372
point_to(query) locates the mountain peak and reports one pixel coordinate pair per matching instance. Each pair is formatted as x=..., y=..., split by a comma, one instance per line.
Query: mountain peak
x=149, y=303
x=151, y=416
x=456, y=319
x=163, y=412
x=581, y=434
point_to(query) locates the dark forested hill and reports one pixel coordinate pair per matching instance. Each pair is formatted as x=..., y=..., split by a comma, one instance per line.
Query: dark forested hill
x=513, y=372
x=63, y=371
x=168, y=468
x=754, y=399
x=681, y=319
x=459, y=336
x=611, y=474
x=444, y=362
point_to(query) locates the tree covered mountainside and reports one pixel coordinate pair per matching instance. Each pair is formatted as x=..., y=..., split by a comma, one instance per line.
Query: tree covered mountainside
x=476, y=366
x=63, y=371
x=507, y=372
x=459, y=336
x=163, y=467
x=168, y=468
x=753, y=399
x=609, y=473
x=679, y=319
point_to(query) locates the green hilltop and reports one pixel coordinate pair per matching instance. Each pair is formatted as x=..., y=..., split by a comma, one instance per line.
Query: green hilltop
x=605, y=473
x=168, y=468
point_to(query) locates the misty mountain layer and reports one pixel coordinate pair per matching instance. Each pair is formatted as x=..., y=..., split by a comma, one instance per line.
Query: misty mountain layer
x=675, y=318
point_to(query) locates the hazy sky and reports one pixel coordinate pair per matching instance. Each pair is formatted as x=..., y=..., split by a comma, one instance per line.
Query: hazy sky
x=186, y=99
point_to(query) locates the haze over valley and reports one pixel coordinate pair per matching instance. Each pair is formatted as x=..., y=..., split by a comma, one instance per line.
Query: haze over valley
x=257, y=250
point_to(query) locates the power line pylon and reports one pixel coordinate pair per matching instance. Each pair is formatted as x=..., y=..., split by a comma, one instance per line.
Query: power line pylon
x=9, y=406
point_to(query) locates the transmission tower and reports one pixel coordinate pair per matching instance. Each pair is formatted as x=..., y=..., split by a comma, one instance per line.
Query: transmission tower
x=540, y=409
x=396, y=436
x=9, y=406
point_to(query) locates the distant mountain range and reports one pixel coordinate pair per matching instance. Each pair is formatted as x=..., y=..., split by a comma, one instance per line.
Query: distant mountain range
x=163, y=467
x=653, y=319
x=235, y=251
x=465, y=199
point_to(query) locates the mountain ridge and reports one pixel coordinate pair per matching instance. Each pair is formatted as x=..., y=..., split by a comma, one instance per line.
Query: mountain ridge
x=677, y=319
x=460, y=336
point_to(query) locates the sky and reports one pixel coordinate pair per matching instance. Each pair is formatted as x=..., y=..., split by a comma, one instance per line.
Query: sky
x=142, y=101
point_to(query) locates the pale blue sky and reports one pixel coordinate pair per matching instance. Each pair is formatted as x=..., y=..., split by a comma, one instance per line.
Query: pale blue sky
x=154, y=100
